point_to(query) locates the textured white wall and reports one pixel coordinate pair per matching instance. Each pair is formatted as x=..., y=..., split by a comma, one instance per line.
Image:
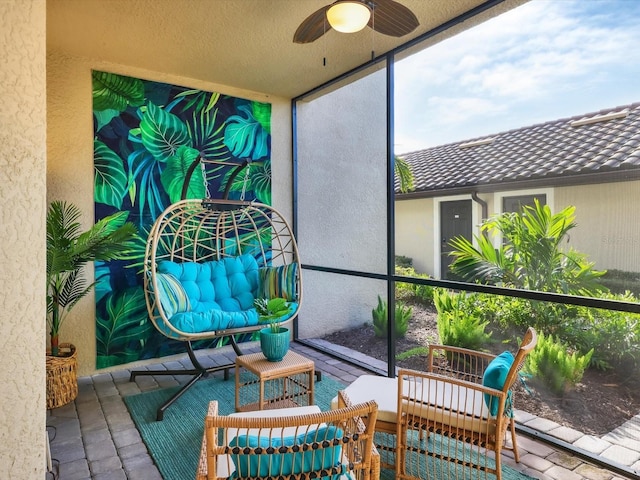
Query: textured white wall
x=22, y=212
x=342, y=221
x=70, y=159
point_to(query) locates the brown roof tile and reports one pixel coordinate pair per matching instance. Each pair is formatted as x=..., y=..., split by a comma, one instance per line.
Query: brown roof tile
x=539, y=152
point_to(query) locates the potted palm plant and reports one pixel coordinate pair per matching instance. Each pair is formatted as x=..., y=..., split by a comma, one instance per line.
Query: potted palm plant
x=274, y=339
x=68, y=251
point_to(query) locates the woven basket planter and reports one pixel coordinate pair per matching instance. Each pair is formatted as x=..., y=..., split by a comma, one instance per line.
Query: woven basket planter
x=62, y=377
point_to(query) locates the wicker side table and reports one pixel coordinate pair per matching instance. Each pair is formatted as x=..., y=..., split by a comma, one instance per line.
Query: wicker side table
x=265, y=385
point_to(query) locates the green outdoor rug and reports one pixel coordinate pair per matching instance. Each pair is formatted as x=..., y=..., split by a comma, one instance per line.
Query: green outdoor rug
x=174, y=443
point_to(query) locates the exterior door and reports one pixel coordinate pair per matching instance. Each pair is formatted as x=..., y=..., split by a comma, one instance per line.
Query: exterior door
x=455, y=221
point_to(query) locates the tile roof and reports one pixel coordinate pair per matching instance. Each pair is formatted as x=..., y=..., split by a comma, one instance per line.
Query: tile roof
x=566, y=149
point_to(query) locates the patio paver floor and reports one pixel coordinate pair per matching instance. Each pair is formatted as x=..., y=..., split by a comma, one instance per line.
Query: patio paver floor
x=95, y=438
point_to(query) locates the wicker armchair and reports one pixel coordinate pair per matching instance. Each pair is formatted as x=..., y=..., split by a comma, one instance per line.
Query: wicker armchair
x=465, y=421
x=291, y=443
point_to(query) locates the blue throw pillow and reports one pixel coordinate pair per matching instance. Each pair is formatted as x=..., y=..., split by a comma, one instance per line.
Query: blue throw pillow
x=171, y=294
x=495, y=376
x=262, y=465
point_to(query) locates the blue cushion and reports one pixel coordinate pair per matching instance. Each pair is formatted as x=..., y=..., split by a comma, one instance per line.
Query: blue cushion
x=229, y=284
x=495, y=376
x=171, y=295
x=279, y=282
x=220, y=293
x=214, y=319
x=262, y=465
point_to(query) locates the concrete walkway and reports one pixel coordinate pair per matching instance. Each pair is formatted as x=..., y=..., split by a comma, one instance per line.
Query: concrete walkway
x=95, y=438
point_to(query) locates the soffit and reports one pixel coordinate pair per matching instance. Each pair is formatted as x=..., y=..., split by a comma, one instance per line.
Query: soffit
x=246, y=44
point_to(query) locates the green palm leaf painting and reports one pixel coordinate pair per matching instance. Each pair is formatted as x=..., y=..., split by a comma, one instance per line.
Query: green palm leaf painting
x=117, y=92
x=121, y=328
x=162, y=133
x=245, y=136
x=175, y=173
x=110, y=180
x=147, y=135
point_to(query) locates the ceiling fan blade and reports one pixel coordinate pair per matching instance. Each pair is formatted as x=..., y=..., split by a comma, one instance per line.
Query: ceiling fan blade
x=392, y=18
x=313, y=27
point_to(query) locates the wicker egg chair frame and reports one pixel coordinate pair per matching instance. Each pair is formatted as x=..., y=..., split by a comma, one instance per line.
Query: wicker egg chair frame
x=210, y=230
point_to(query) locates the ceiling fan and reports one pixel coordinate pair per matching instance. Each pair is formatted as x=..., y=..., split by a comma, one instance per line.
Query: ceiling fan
x=384, y=16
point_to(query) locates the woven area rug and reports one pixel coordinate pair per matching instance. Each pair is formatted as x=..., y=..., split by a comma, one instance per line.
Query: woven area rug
x=174, y=443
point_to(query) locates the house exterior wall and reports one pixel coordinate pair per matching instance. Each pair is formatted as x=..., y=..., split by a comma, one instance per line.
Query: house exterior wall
x=415, y=234
x=607, y=229
x=608, y=225
x=70, y=153
x=22, y=249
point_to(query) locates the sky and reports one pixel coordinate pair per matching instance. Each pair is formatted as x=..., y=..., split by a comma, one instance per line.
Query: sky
x=543, y=61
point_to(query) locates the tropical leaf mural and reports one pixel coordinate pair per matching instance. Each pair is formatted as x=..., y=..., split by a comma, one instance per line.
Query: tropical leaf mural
x=146, y=135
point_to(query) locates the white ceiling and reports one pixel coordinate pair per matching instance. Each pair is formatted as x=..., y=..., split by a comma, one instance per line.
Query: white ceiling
x=246, y=44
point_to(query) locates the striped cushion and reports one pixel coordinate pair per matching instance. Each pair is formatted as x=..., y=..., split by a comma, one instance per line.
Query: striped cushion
x=278, y=282
x=171, y=294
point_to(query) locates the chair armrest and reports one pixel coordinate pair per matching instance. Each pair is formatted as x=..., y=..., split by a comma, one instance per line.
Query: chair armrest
x=374, y=468
x=209, y=442
x=201, y=473
x=375, y=463
x=457, y=362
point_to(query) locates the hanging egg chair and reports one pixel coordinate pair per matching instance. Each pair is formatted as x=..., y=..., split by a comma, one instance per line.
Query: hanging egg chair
x=206, y=262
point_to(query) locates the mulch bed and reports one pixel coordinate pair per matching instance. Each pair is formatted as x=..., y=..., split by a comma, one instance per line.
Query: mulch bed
x=600, y=403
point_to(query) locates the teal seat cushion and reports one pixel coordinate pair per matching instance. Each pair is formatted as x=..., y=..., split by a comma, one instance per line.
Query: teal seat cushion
x=311, y=460
x=220, y=293
x=494, y=377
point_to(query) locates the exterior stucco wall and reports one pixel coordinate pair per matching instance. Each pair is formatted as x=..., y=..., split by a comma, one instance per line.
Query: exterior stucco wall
x=342, y=170
x=608, y=223
x=415, y=233
x=70, y=154
x=22, y=250
x=608, y=230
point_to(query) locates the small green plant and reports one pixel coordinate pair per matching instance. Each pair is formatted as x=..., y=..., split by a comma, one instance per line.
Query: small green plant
x=380, y=316
x=413, y=291
x=460, y=322
x=412, y=352
x=272, y=311
x=551, y=362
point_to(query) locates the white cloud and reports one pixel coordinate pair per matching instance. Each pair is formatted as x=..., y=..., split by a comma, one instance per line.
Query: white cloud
x=520, y=66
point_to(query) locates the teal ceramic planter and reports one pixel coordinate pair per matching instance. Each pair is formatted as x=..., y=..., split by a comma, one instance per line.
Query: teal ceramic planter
x=274, y=346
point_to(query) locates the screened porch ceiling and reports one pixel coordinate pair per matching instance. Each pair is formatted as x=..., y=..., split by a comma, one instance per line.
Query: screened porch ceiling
x=246, y=44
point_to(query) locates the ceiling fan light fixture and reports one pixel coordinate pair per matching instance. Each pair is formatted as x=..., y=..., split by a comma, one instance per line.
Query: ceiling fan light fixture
x=348, y=16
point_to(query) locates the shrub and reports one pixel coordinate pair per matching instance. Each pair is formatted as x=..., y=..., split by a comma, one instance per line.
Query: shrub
x=619, y=281
x=507, y=312
x=551, y=362
x=613, y=335
x=405, y=290
x=460, y=322
x=402, y=261
x=380, y=316
x=532, y=256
